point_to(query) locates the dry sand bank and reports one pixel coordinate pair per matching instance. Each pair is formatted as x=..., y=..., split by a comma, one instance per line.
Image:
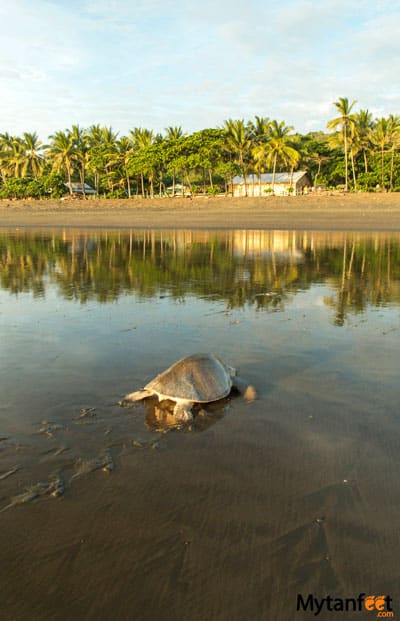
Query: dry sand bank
x=351, y=212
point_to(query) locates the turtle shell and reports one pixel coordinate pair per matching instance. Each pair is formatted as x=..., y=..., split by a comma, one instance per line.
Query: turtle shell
x=199, y=378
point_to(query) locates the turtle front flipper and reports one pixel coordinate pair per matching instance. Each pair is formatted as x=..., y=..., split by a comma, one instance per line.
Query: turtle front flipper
x=130, y=398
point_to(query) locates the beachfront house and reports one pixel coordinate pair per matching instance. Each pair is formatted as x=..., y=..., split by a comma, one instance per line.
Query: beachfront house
x=76, y=189
x=285, y=183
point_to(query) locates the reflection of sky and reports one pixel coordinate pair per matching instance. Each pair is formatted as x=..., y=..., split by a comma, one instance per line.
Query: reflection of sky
x=56, y=350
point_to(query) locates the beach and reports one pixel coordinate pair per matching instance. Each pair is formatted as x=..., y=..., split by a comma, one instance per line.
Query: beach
x=105, y=513
x=339, y=212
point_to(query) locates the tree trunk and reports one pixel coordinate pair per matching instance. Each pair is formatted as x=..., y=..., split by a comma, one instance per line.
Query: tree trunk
x=69, y=180
x=391, y=169
x=318, y=173
x=241, y=162
x=353, y=169
x=346, y=163
x=273, y=173
x=82, y=178
x=128, y=183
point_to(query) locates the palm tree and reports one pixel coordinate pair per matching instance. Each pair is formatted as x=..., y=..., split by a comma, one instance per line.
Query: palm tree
x=143, y=138
x=6, y=152
x=27, y=157
x=102, y=145
x=259, y=133
x=237, y=142
x=61, y=153
x=259, y=130
x=381, y=139
x=172, y=135
x=394, y=140
x=363, y=124
x=278, y=148
x=80, y=147
x=125, y=150
x=345, y=121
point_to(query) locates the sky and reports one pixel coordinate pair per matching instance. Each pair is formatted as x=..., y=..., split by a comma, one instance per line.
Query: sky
x=194, y=63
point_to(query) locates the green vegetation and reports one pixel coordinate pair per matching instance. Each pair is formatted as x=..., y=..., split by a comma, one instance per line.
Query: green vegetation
x=358, y=153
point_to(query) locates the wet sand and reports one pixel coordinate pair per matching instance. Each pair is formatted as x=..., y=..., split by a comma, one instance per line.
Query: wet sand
x=339, y=212
x=231, y=523
x=294, y=493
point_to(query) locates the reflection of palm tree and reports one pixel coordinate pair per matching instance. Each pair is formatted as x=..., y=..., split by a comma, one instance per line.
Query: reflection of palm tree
x=345, y=121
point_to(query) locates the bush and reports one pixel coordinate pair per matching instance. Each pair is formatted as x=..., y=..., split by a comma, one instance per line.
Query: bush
x=118, y=193
x=48, y=186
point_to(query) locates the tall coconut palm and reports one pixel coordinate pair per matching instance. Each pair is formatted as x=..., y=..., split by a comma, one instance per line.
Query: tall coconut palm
x=28, y=156
x=344, y=121
x=238, y=143
x=394, y=142
x=61, y=154
x=6, y=152
x=143, y=138
x=259, y=129
x=363, y=124
x=80, y=147
x=102, y=151
x=381, y=139
x=172, y=135
x=13, y=155
x=125, y=149
x=278, y=149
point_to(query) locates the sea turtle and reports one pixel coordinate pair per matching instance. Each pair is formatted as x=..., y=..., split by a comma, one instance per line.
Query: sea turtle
x=199, y=378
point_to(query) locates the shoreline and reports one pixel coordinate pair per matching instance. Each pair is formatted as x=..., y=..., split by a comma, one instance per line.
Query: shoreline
x=341, y=212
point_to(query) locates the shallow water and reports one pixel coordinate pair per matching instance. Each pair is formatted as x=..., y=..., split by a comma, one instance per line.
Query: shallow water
x=235, y=514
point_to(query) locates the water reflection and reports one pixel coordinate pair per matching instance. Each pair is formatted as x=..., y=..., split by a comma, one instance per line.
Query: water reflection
x=257, y=268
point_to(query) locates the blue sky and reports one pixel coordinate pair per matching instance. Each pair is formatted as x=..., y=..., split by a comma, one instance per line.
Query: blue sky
x=155, y=63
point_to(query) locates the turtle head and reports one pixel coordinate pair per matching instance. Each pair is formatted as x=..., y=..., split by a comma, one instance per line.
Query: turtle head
x=232, y=372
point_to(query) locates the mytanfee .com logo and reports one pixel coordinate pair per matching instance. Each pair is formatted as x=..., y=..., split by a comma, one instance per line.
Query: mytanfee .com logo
x=381, y=605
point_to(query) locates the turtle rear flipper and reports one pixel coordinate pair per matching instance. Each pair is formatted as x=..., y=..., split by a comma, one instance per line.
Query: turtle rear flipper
x=130, y=398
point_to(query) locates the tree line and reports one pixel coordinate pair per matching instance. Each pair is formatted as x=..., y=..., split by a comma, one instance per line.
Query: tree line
x=358, y=153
